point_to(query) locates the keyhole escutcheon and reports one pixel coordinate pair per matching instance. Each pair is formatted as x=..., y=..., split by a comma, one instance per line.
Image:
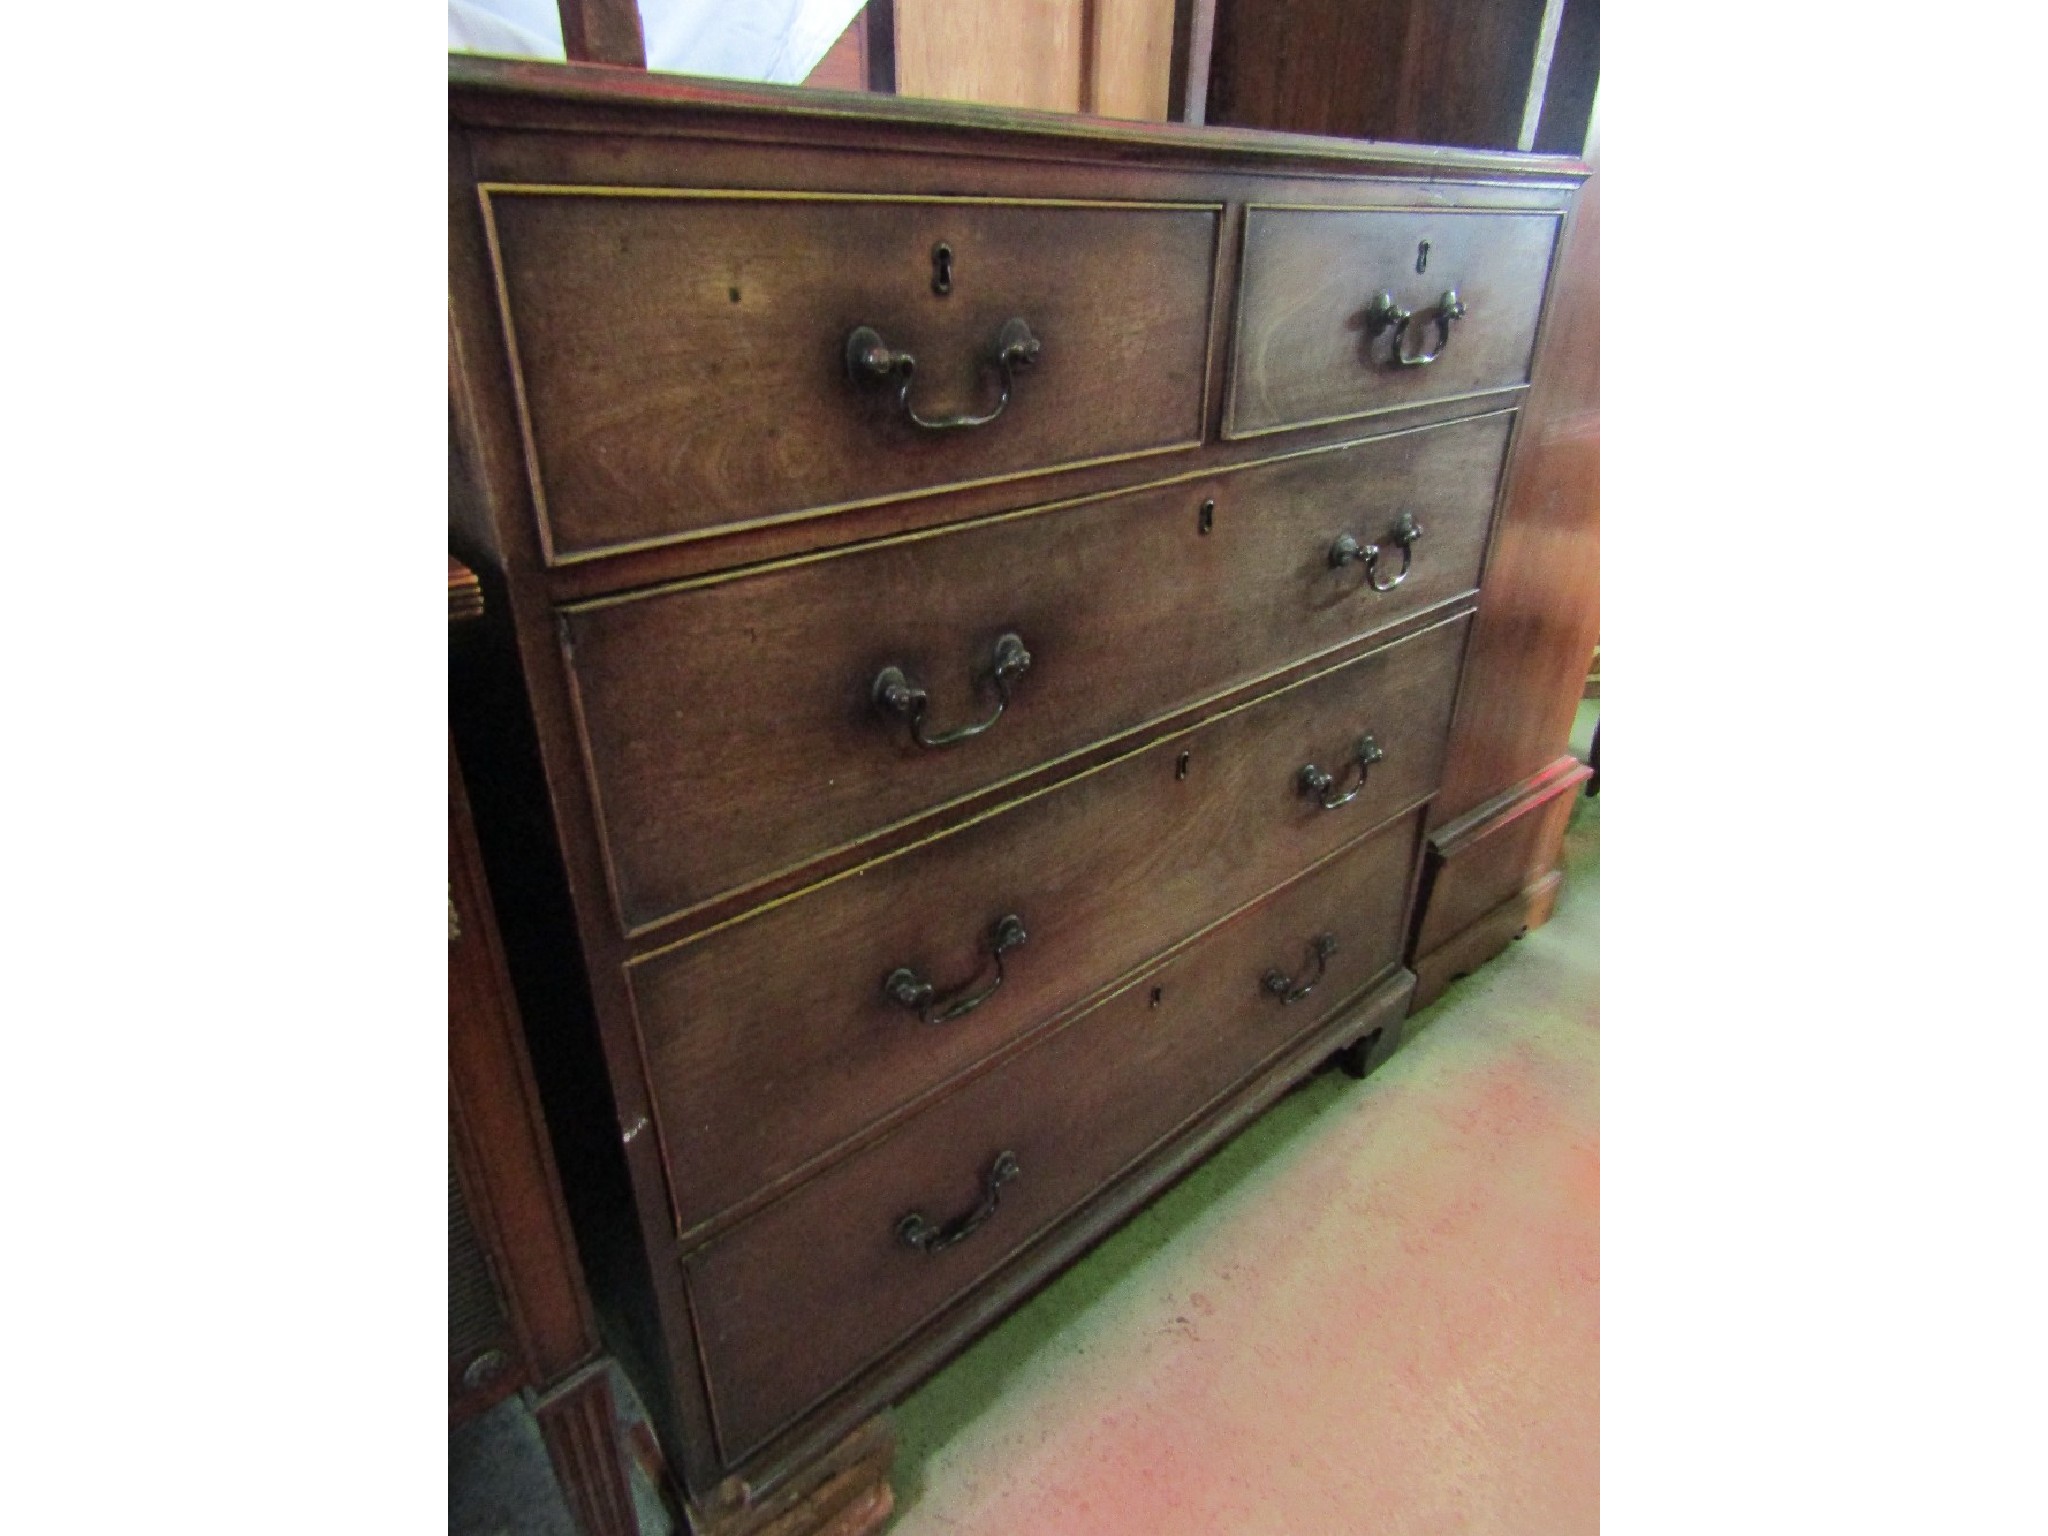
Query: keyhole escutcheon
x=942, y=268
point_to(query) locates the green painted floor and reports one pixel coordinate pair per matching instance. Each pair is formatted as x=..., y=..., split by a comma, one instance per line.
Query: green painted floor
x=1376, y=1310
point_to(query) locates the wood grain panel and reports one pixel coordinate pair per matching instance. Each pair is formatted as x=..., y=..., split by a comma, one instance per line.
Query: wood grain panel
x=1013, y=53
x=1132, y=58
x=1413, y=71
x=682, y=357
x=1074, y=1110
x=747, y=703
x=771, y=1040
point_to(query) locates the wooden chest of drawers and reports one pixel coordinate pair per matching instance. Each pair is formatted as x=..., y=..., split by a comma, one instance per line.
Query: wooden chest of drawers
x=987, y=594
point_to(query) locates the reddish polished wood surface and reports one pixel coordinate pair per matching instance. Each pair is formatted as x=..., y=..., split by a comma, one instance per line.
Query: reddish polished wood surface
x=698, y=705
x=1074, y=1110
x=1541, y=616
x=683, y=358
x=659, y=668
x=1442, y=72
x=770, y=1041
x=1307, y=349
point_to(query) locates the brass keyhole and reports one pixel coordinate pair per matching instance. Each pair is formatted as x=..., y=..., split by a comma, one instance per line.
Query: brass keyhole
x=1207, y=517
x=942, y=268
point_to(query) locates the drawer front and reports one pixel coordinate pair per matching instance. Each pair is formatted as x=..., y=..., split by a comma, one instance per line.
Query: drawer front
x=731, y=728
x=1312, y=345
x=771, y=1041
x=792, y=1304
x=682, y=356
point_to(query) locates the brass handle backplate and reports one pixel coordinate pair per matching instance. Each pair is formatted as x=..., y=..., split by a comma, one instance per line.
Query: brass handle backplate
x=1321, y=783
x=1384, y=314
x=1281, y=985
x=916, y=1231
x=894, y=693
x=871, y=362
x=1347, y=549
x=907, y=989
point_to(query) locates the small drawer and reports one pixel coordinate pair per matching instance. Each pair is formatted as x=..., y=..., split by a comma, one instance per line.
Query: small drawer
x=793, y=1303
x=1345, y=312
x=685, y=360
x=731, y=726
x=774, y=1039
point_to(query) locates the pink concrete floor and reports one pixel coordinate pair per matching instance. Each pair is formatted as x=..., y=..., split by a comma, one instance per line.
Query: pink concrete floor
x=1376, y=1311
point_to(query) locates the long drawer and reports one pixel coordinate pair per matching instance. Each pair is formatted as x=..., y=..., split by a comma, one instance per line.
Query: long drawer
x=770, y=1041
x=794, y=1302
x=731, y=725
x=685, y=360
x=1316, y=341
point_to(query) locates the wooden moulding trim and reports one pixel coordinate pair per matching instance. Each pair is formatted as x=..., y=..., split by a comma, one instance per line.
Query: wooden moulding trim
x=1039, y=509
x=536, y=481
x=710, y=1228
x=480, y=77
x=1384, y=1002
x=621, y=573
x=1511, y=804
x=1148, y=737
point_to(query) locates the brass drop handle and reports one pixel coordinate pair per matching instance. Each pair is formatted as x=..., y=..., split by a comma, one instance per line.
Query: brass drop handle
x=1282, y=986
x=1319, y=783
x=1346, y=549
x=871, y=361
x=907, y=989
x=917, y=1231
x=1384, y=313
x=894, y=693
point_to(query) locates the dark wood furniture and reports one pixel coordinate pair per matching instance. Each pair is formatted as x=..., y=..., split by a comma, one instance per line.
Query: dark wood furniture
x=1490, y=74
x=1497, y=829
x=518, y=1315
x=1487, y=74
x=979, y=784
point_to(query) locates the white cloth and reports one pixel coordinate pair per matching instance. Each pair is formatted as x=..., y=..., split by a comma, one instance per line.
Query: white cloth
x=779, y=41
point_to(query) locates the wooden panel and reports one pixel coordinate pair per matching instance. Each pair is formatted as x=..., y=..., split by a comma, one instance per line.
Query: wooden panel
x=1013, y=53
x=1541, y=616
x=1194, y=35
x=1307, y=349
x=1505, y=847
x=770, y=1040
x=683, y=365
x=1309, y=66
x=699, y=704
x=603, y=32
x=1131, y=59
x=1441, y=72
x=1074, y=1111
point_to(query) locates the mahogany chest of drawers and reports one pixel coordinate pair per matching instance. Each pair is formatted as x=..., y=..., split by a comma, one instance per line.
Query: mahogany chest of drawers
x=987, y=593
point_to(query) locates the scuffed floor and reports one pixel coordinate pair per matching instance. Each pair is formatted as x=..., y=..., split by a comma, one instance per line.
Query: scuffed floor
x=1375, y=1311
